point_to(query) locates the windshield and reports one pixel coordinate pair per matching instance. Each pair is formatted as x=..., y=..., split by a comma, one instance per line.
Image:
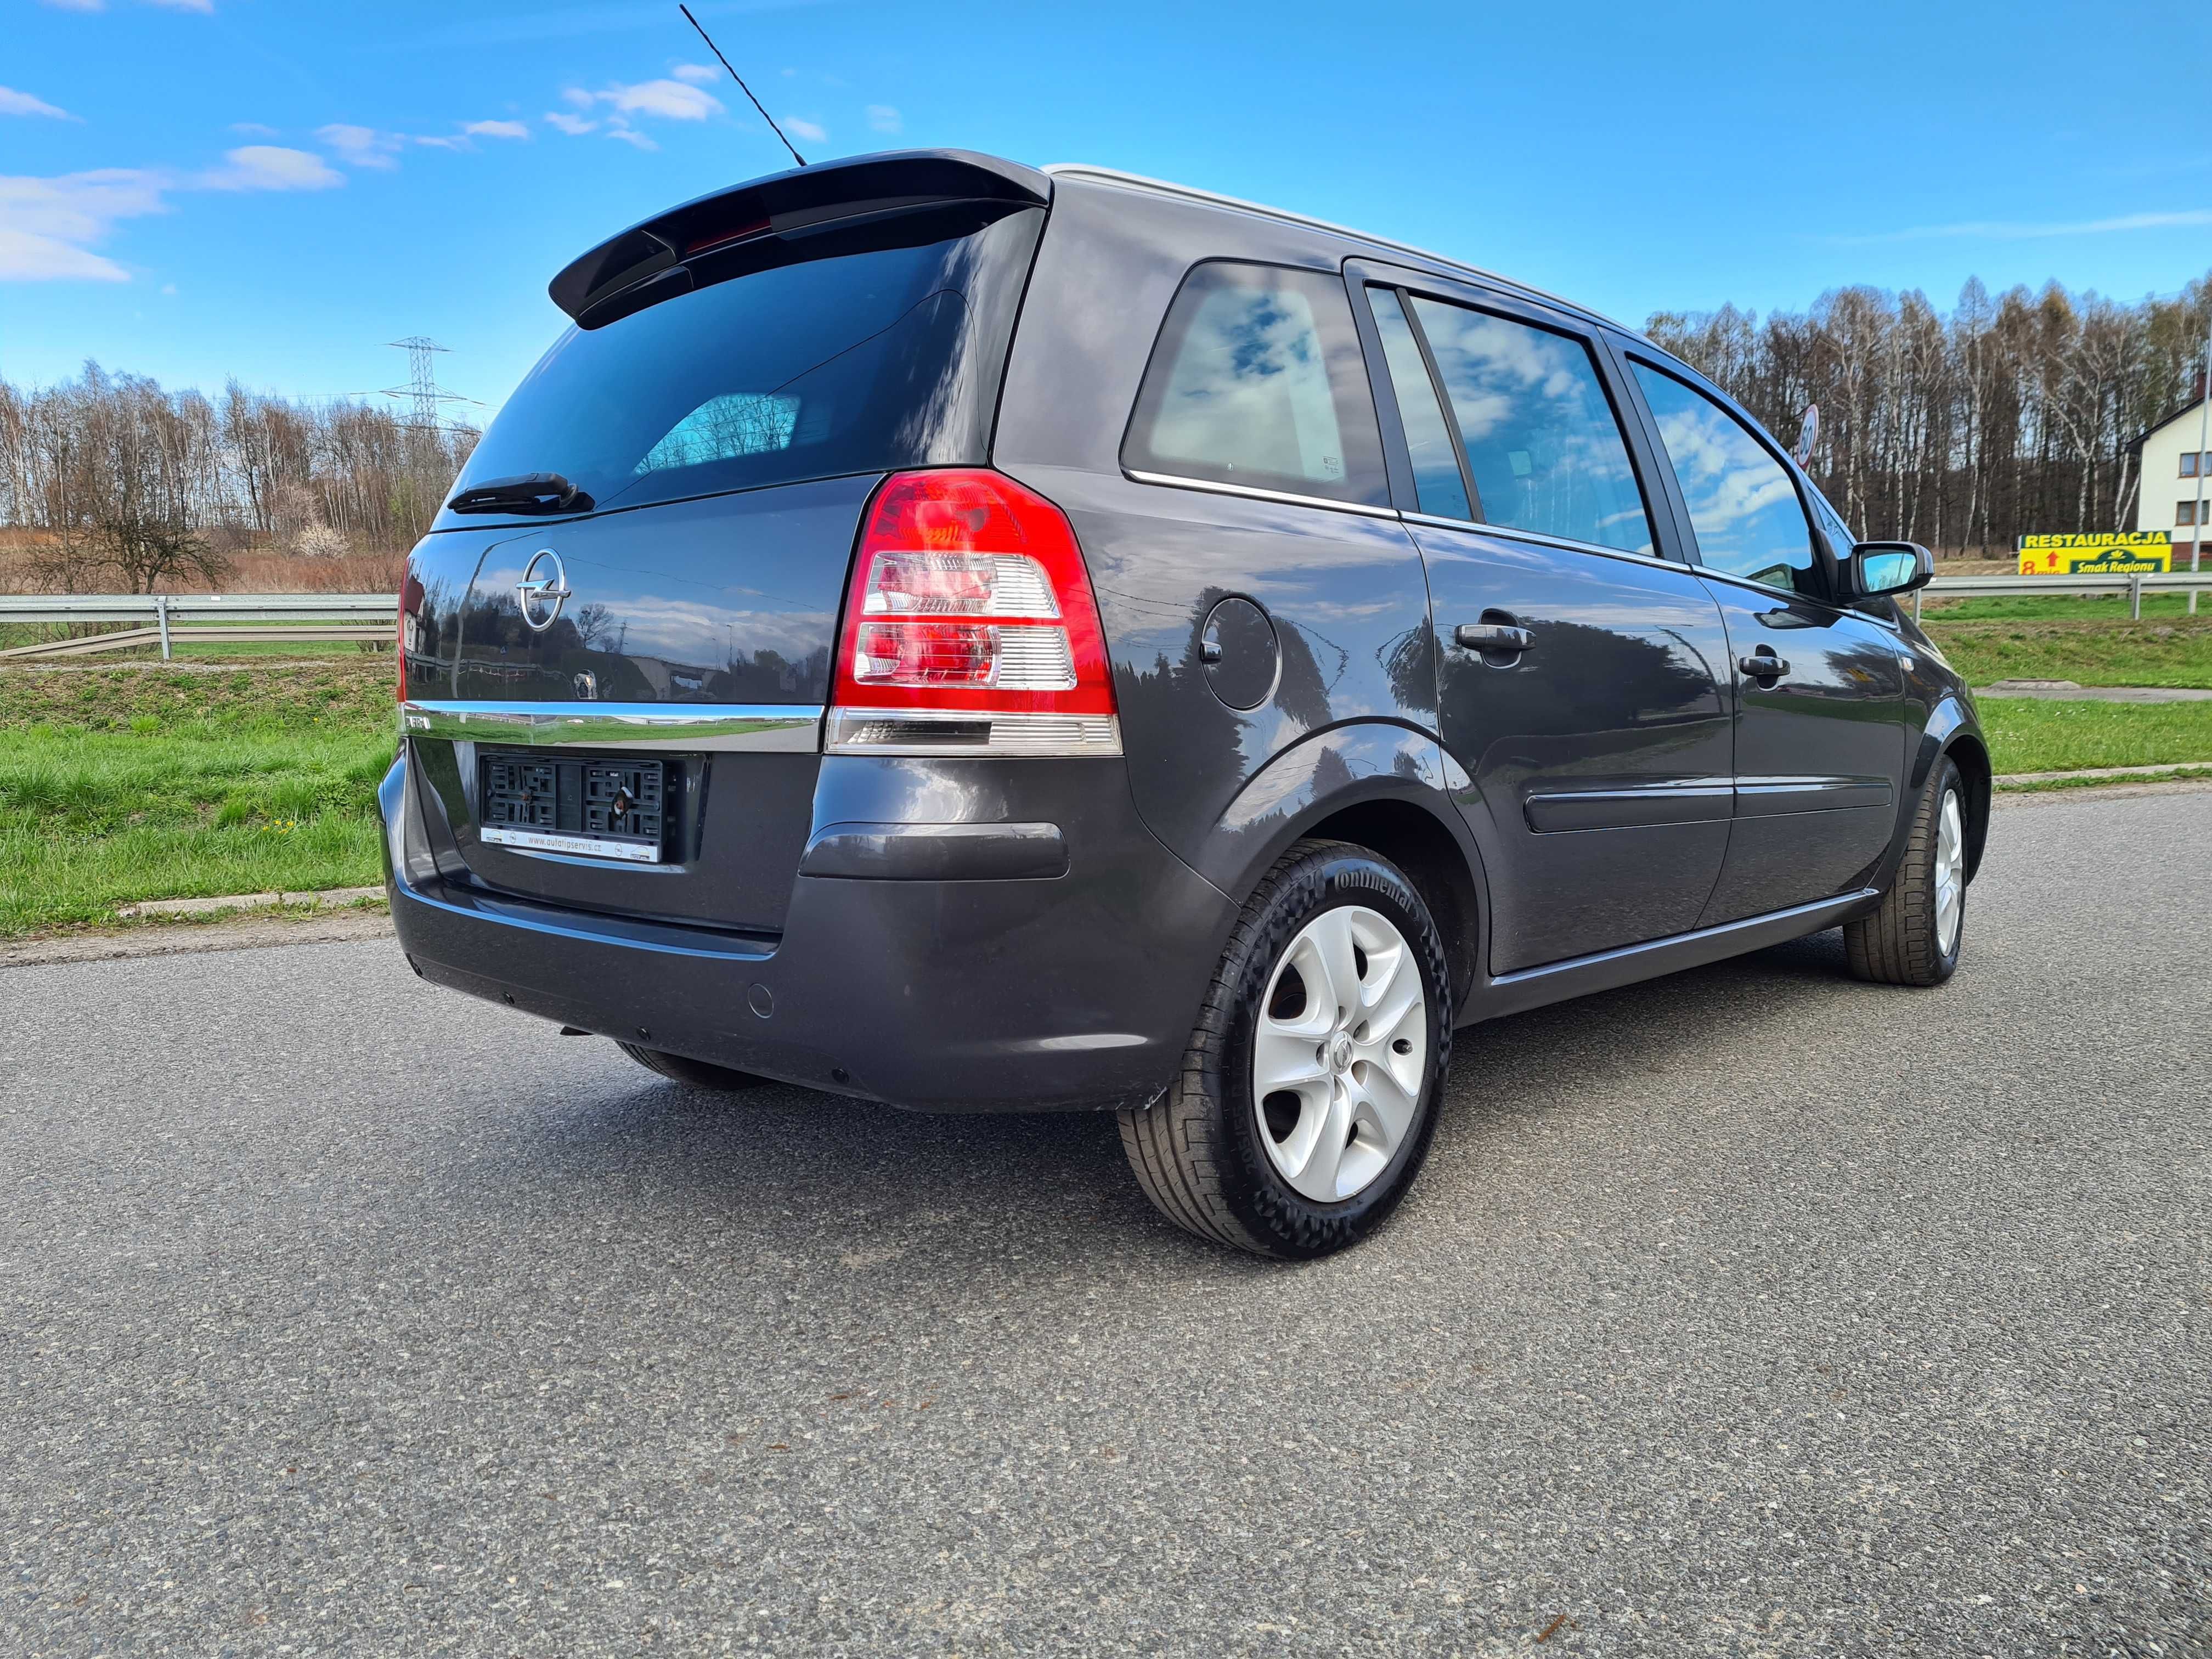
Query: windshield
x=856, y=349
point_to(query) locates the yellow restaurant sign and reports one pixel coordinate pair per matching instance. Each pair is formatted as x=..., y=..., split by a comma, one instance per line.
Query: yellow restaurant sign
x=2117, y=553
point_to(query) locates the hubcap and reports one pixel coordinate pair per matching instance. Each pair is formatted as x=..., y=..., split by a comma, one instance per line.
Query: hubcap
x=1337, y=1060
x=1950, y=872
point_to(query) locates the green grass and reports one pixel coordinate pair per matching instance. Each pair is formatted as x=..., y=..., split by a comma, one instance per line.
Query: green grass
x=2162, y=653
x=120, y=784
x=186, y=648
x=2029, y=735
x=2061, y=607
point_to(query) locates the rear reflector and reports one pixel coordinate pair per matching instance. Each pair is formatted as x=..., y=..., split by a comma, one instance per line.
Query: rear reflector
x=971, y=627
x=410, y=603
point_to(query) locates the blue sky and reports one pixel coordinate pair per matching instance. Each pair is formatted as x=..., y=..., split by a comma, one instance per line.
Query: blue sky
x=272, y=189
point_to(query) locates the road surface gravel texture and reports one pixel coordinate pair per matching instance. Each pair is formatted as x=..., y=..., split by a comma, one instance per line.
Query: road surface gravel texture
x=1750, y=1311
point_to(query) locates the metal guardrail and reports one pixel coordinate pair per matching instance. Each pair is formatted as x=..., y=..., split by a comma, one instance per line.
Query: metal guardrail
x=148, y=607
x=2191, y=582
x=370, y=616
x=361, y=610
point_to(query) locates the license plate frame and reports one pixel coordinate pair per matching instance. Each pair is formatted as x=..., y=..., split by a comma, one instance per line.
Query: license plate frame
x=617, y=808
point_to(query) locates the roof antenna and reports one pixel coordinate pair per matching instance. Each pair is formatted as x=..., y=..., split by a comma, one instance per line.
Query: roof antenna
x=739, y=79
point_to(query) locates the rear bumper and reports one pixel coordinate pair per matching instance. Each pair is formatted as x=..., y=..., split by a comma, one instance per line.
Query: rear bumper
x=1006, y=994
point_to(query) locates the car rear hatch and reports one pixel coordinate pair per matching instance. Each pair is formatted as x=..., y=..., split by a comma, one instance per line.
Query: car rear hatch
x=618, y=635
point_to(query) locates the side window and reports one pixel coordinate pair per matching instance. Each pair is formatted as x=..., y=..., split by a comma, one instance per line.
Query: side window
x=1436, y=463
x=1258, y=380
x=1742, y=504
x=1541, y=439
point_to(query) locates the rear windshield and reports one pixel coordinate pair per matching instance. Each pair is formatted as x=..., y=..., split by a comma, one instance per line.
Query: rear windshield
x=854, y=349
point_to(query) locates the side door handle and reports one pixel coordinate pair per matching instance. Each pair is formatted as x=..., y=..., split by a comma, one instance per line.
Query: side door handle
x=1763, y=665
x=1492, y=636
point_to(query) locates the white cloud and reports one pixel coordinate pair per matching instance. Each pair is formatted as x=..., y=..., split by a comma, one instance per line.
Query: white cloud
x=667, y=100
x=361, y=147
x=699, y=75
x=270, y=166
x=882, y=118
x=51, y=228
x=47, y=225
x=76, y=5
x=2015, y=230
x=205, y=6
x=253, y=130
x=13, y=102
x=26, y=257
x=366, y=146
x=672, y=101
x=811, y=131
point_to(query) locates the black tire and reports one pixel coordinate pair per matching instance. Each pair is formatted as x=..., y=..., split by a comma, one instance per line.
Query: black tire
x=1901, y=943
x=1197, y=1152
x=698, y=1074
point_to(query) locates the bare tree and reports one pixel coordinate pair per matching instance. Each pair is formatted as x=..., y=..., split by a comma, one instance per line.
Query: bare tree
x=125, y=483
x=2011, y=414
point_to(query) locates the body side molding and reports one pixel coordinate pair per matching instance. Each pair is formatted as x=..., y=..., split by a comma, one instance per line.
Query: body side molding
x=1701, y=800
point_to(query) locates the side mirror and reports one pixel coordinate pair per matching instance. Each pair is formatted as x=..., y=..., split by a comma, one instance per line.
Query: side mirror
x=1879, y=567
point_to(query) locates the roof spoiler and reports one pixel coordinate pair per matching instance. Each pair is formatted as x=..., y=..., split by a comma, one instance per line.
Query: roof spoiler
x=630, y=268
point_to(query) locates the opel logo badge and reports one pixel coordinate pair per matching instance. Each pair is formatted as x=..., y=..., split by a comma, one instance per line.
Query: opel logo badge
x=544, y=583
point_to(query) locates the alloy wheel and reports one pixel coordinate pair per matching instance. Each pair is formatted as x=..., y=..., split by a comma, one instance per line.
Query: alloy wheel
x=1950, y=873
x=1339, y=1052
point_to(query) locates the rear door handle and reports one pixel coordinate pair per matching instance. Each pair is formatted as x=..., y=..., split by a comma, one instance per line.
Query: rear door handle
x=1492, y=636
x=1764, y=666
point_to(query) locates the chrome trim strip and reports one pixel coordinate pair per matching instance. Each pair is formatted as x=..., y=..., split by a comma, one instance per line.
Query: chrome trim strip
x=1214, y=199
x=1538, y=538
x=1176, y=480
x=756, y=728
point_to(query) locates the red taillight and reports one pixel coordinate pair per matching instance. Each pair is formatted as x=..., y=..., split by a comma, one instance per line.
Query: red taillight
x=969, y=626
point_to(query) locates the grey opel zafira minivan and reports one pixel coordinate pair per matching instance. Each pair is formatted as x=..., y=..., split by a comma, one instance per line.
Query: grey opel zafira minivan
x=986, y=638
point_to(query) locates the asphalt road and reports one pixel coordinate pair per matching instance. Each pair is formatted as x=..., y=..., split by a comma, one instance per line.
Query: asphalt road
x=1750, y=1311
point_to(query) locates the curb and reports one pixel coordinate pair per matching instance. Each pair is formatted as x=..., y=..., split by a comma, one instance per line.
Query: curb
x=2171, y=769
x=234, y=932
x=2068, y=691
x=206, y=906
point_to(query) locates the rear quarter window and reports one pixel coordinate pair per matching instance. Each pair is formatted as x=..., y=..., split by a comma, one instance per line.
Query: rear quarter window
x=1257, y=381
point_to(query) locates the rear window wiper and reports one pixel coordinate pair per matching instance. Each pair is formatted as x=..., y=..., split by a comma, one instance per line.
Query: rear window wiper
x=528, y=492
